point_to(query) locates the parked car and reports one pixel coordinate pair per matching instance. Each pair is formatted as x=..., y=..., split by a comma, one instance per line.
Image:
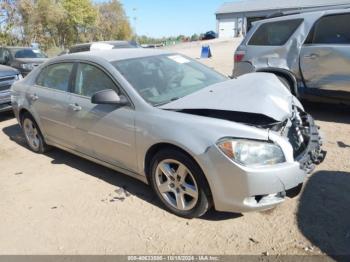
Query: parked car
x=209, y=35
x=197, y=137
x=25, y=59
x=102, y=45
x=310, y=52
x=8, y=76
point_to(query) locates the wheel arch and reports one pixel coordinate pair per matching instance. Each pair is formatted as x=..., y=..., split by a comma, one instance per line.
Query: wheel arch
x=21, y=113
x=289, y=76
x=165, y=145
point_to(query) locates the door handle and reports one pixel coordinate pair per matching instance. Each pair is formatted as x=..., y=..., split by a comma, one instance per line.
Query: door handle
x=34, y=97
x=312, y=56
x=75, y=107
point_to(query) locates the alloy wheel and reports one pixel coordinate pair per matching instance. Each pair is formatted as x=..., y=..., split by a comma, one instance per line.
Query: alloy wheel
x=176, y=185
x=31, y=133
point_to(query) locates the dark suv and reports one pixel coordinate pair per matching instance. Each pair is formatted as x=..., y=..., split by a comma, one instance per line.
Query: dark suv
x=8, y=76
x=25, y=59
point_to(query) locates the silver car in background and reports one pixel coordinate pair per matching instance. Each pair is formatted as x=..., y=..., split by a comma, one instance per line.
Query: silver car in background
x=198, y=138
x=309, y=52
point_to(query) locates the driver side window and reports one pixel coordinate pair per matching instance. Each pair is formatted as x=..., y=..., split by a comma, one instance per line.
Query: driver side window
x=90, y=79
x=4, y=56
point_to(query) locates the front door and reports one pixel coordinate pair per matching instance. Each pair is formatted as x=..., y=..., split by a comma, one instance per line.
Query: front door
x=325, y=57
x=106, y=132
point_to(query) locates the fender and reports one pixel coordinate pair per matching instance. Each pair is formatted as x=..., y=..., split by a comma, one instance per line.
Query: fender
x=284, y=73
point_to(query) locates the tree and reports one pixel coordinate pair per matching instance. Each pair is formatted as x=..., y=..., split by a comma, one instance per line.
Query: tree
x=8, y=19
x=81, y=18
x=61, y=23
x=195, y=37
x=39, y=21
x=112, y=22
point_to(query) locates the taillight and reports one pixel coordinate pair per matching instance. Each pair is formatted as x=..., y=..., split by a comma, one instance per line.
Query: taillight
x=239, y=56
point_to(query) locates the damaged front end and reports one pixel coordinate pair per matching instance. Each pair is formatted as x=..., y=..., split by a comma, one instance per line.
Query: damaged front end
x=300, y=130
x=303, y=134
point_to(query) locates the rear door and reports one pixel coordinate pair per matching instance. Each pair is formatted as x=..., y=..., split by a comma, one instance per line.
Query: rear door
x=325, y=56
x=105, y=132
x=49, y=100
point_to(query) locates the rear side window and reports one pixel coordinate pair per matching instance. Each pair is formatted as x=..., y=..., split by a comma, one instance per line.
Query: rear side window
x=275, y=33
x=332, y=29
x=80, y=48
x=56, y=76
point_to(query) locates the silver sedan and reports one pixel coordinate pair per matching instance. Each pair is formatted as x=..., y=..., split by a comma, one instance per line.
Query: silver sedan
x=200, y=139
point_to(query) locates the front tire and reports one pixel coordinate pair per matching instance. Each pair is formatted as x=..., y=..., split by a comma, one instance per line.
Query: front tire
x=32, y=134
x=180, y=184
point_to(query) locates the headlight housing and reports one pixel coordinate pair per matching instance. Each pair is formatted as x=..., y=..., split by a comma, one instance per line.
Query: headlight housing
x=251, y=153
x=27, y=67
x=18, y=77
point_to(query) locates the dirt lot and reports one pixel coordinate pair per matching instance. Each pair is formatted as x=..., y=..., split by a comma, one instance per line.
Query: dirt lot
x=61, y=204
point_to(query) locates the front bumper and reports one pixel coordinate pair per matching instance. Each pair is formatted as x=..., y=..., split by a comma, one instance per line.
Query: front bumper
x=241, y=189
x=5, y=101
x=242, y=68
x=237, y=188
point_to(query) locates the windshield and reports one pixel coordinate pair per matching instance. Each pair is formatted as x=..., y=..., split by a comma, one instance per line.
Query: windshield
x=165, y=78
x=28, y=53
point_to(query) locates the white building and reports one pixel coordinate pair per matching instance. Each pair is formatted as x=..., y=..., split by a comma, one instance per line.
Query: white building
x=235, y=18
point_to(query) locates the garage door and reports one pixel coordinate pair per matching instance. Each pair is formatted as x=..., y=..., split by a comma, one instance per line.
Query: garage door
x=227, y=28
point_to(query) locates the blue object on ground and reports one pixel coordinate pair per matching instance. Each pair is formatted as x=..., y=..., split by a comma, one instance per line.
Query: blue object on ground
x=206, y=52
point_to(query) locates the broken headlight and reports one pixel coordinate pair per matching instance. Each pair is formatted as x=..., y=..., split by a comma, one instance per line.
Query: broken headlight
x=27, y=67
x=251, y=153
x=18, y=77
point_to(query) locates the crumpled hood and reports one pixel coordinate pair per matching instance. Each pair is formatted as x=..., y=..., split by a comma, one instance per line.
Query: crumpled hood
x=258, y=93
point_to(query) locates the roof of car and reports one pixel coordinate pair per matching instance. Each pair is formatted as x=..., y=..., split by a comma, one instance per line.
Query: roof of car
x=19, y=47
x=118, y=54
x=106, y=42
x=258, y=5
x=312, y=14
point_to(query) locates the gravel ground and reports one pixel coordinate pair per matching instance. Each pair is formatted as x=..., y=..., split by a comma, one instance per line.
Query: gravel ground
x=61, y=204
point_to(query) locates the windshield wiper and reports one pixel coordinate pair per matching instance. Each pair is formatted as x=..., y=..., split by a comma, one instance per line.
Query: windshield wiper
x=167, y=102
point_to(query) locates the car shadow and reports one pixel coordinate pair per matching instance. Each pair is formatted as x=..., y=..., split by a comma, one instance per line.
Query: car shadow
x=324, y=212
x=328, y=112
x=127, y=184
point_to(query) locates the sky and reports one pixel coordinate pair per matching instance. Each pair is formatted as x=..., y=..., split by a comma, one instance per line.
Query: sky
x=158, y=18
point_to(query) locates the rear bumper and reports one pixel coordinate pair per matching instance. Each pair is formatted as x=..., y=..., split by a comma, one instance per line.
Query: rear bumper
x=242, y=68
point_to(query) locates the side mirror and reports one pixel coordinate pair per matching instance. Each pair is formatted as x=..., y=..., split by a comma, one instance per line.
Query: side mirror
x=6, y=60
x=3, y=60
x=109, y=97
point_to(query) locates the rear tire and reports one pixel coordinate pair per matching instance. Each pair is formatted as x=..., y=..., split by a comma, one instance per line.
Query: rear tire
x=33, y=135
x=180, y=184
